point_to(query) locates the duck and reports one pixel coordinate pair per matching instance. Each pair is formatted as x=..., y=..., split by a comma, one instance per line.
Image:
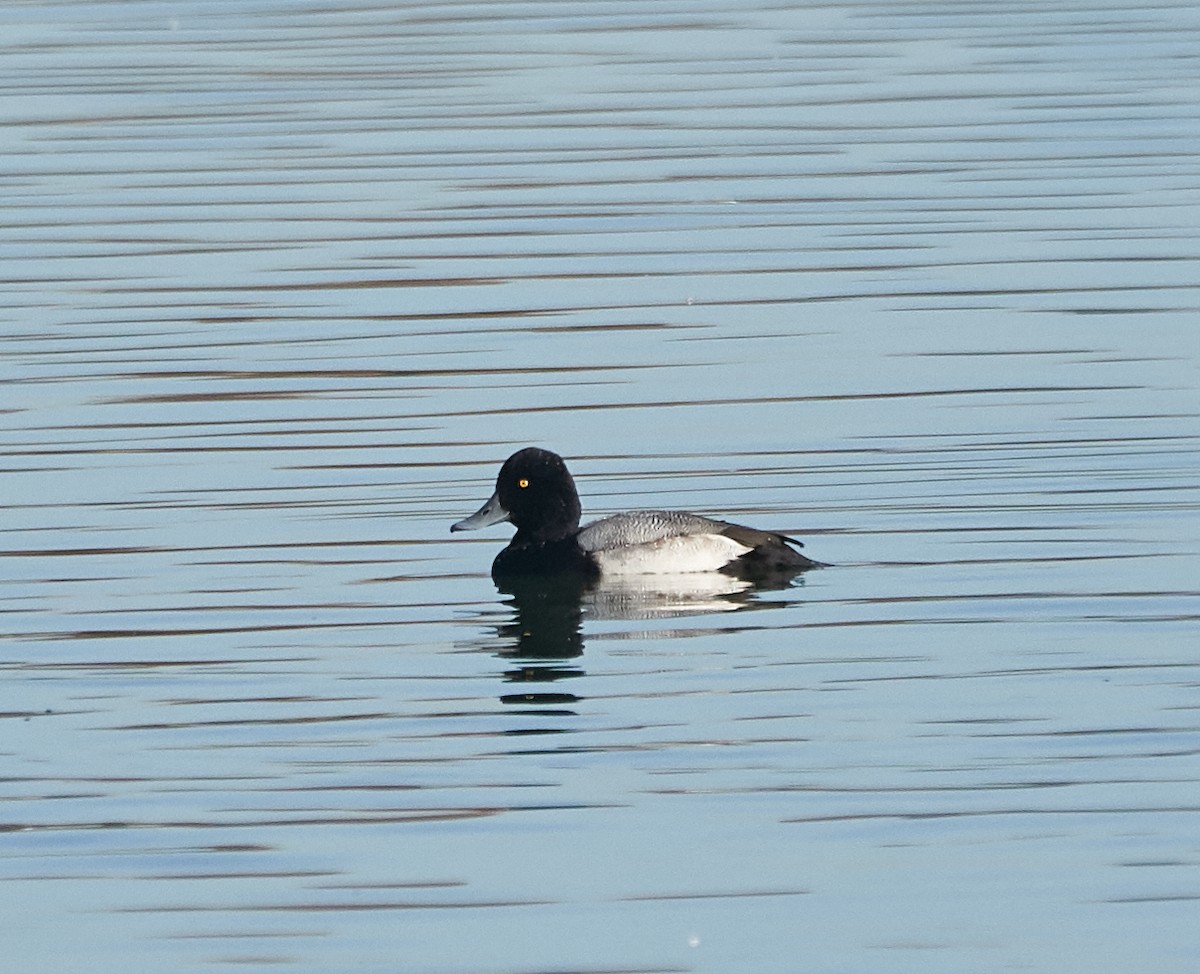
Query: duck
x=536, y=493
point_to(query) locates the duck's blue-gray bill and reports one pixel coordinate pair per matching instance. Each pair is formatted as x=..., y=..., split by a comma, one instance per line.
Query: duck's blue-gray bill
x=491, y=513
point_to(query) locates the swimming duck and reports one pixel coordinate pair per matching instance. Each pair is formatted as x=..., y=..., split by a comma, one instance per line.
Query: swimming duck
x=536, y=492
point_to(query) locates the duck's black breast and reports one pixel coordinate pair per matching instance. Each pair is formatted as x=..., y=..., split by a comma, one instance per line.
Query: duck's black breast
x=562, y=556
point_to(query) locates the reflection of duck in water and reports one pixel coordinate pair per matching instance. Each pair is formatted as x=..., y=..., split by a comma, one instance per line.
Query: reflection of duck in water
x=543, y=639
x=548, y=611
x=546, y=630
x=537, y=494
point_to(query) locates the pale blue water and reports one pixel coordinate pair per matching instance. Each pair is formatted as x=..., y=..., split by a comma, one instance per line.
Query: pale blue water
x=284, y=284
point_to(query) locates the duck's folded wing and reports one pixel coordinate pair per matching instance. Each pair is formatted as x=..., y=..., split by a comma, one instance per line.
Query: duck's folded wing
x=644, y=528
x=647, y=527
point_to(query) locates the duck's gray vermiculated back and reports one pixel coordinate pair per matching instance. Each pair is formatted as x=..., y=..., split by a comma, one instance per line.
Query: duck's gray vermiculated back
x=644, y=527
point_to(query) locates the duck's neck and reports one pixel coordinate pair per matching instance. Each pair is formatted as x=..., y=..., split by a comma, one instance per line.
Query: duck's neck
x=558, y=523
x=546, y=534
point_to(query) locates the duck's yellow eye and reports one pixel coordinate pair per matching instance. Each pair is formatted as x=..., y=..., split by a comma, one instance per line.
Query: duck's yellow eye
x=522, y=482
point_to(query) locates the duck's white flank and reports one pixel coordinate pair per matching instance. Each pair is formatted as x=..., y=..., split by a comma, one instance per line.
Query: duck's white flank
x=679, y=555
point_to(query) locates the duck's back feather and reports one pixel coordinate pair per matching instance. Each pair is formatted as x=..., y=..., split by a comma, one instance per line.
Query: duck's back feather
x=644, y=528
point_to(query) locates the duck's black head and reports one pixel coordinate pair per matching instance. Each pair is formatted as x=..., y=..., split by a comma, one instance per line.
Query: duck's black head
x=539, y=494
x=536, y=493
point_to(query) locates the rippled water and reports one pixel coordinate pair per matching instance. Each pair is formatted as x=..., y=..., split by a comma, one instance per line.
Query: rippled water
x=284, y=283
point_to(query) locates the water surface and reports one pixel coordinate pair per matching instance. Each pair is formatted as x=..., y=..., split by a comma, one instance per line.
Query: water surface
x=284, y=284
